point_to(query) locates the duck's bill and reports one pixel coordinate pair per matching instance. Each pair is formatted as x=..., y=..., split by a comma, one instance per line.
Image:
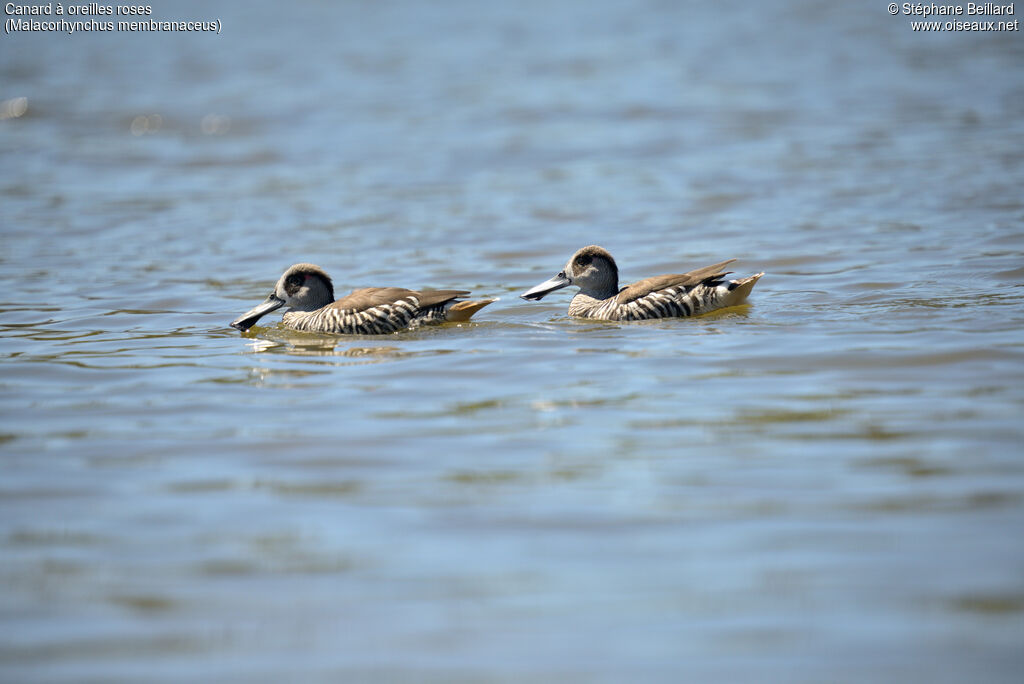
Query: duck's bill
x=538, y=292
x=249, y=318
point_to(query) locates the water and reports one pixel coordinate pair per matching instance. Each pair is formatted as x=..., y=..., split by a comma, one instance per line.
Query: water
x=826, y=485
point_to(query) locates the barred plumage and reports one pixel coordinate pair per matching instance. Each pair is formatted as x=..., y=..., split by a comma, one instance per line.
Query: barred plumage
x=594, y=271
x=369, y=311
x=670, y=303
x=373, y=321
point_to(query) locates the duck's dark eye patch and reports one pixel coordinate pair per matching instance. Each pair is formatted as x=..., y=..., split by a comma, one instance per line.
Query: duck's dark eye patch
x=295, y=279
x=583, y=260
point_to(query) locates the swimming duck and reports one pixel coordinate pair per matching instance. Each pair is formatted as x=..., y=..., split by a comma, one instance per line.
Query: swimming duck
x=593, y=270
x=309, y=293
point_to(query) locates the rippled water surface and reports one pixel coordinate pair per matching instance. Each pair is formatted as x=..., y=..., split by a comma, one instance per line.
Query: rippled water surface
x=824, y=485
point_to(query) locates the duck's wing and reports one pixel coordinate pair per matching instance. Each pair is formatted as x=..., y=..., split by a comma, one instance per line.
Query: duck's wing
x=372, y=297
x=644, y=287
x=431, y=298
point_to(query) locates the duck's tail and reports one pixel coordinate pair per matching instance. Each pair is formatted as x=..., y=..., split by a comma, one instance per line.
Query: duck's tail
x=463, y=311
x=740, y=289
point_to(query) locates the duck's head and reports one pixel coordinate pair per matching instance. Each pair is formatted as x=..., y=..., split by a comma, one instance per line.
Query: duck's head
x=592, y=269
x=303, y=287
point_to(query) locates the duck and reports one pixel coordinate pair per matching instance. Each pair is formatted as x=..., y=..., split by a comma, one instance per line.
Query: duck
x=593, y=270
x=309, y=293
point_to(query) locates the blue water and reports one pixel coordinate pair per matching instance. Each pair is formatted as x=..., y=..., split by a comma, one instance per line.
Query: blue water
x=825, y=485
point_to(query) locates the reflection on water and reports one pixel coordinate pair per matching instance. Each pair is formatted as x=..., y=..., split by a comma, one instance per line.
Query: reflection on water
x=825, y=484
